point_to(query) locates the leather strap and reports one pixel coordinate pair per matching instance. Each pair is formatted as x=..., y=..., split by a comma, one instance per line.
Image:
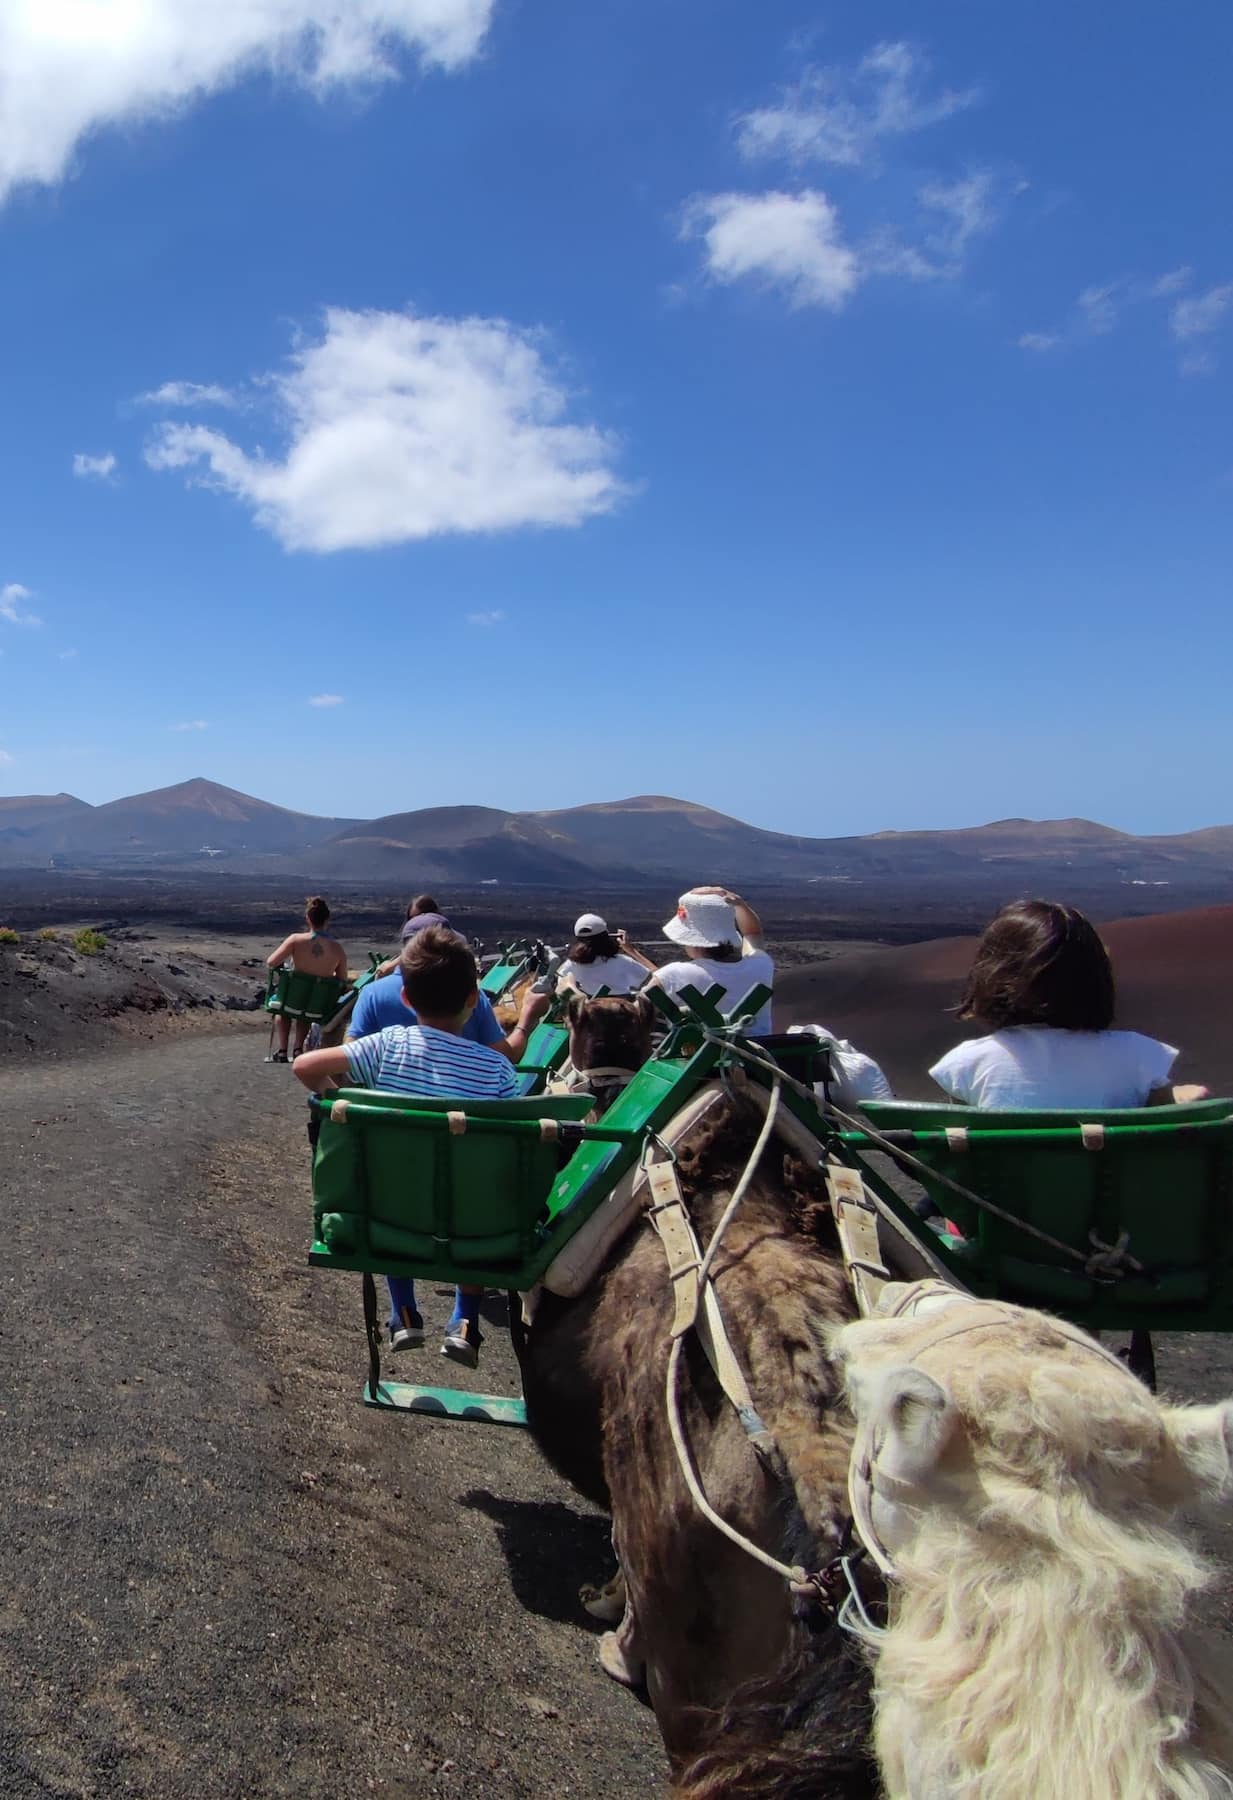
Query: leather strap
x=668, y=1216
x=701, y=1309
x=856, y=1220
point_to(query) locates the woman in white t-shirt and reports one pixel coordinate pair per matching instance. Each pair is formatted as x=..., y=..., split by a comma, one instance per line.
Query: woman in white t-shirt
x=1042, y=979
x=600, y=958
x=721, y=936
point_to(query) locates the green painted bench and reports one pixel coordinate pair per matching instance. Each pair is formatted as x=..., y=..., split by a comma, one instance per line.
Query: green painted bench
x=515, y=962
x=297, y=994
x=1157, y=1180
x=479, y=1191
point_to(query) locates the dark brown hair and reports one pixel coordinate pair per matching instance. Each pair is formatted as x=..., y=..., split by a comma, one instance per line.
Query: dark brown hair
x=1039, y=963
x=316, y=912
x=591, y=949
x=721, y=953
x=421, y=904
x=438, y=971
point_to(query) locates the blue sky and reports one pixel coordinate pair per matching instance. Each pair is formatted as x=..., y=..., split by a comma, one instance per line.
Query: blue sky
x=819, y=412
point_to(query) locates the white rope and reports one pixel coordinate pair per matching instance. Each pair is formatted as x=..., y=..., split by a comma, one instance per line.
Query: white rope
x=680, y=1443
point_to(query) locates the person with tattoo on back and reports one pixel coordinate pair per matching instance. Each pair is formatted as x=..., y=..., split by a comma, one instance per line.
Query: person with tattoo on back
x=311, y=952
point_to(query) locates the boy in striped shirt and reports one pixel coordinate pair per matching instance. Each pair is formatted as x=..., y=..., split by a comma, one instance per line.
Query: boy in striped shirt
x=429, y=1057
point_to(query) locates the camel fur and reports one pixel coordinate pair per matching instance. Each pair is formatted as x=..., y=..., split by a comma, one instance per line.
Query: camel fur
x=1041, y=1644
x=749, y=1700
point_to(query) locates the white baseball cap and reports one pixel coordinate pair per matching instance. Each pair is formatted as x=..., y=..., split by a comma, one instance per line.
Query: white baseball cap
x=703, y=920
x=589, y=925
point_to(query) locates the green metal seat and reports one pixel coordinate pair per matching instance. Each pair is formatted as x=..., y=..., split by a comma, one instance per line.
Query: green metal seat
x=474, y=1190
x=297, y=994
x=1153, y=1184
x=546, y=1051
x=515, y=962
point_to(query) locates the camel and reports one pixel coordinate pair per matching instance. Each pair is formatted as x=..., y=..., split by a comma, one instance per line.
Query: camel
x=750, y=1698
x=1024, y=1487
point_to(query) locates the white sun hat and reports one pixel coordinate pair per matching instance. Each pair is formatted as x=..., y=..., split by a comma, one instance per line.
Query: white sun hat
x=590, y=925
x=703, y=920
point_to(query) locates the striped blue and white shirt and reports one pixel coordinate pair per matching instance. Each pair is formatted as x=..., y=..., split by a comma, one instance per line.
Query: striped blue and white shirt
x=419, y=1059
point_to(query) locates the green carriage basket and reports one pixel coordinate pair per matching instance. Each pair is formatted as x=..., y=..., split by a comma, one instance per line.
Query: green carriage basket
x=297, y=994
x=1135, y=1206
x=484, y=1192
x=515, y=962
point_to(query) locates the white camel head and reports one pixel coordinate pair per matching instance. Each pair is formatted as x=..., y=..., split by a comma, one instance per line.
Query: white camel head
x=1023, y=1485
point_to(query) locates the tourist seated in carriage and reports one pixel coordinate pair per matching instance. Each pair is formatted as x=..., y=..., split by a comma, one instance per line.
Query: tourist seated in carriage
x=1042, y=981
x=721, y=936
x=422, y=912
x=599, y=958
x=384, y=1002
x=431, y=1055
x=312, y=952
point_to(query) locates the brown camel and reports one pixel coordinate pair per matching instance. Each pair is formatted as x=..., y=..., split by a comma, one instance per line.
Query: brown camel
x=751, y=1695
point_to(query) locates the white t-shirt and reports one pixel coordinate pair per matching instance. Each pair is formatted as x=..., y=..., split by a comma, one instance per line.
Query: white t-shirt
x=1042, y=1066
x=619, y=974
x=754, y=969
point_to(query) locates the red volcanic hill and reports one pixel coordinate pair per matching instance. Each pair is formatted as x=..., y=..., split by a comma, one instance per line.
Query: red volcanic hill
x=1174, y=981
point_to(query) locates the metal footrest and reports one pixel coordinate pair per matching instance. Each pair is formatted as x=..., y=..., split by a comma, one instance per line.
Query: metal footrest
x=447, y=1403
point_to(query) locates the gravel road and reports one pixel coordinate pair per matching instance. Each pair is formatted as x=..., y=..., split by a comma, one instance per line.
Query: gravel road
x=220, y=1575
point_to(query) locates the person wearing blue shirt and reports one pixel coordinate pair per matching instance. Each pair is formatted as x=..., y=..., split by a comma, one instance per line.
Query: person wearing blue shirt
x=425, y=1039
x=384, y=1002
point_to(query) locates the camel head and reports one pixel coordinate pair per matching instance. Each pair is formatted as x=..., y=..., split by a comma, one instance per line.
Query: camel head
x=1022, y=1487
x=989, y=1414
x=609, y=1033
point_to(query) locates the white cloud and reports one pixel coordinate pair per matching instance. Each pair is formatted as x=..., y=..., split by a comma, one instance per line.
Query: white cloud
x=12, y=602
x=965, y=209
x=1171, y=283
x=326, y=700
x=100, y=467
x=486, y=618
x=789, y=241
x=68, y=655
x=840, y=115
x=191, y=725
x=401, y=427
x=1200, y=314
x=1099, y=310
x=71, y=67
x=6, y=761
x=951, y=215
x=188, y=393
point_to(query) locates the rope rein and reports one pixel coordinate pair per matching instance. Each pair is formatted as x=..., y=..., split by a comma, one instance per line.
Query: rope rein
x=795, y=1576
x=1106, y=1262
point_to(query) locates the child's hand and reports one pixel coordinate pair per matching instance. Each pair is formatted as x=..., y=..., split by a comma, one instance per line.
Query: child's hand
x=1187, y=1095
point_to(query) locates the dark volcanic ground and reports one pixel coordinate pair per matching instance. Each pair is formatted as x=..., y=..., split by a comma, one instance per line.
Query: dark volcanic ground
x=220, y=1575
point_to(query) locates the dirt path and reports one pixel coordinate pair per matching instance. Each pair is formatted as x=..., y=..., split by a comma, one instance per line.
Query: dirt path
x=219, y=1574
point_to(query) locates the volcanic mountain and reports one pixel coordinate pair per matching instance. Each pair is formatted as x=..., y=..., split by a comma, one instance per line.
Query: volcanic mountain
x=185, y=818
x=22, y=813
x=650, y=839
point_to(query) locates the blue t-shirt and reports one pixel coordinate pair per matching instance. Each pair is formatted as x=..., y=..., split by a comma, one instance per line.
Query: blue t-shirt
x=418, y=1059
x=382, y=1004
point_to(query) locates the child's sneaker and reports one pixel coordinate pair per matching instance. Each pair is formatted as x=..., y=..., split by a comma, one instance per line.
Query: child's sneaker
x=409, y=1333
x=462, y=1344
